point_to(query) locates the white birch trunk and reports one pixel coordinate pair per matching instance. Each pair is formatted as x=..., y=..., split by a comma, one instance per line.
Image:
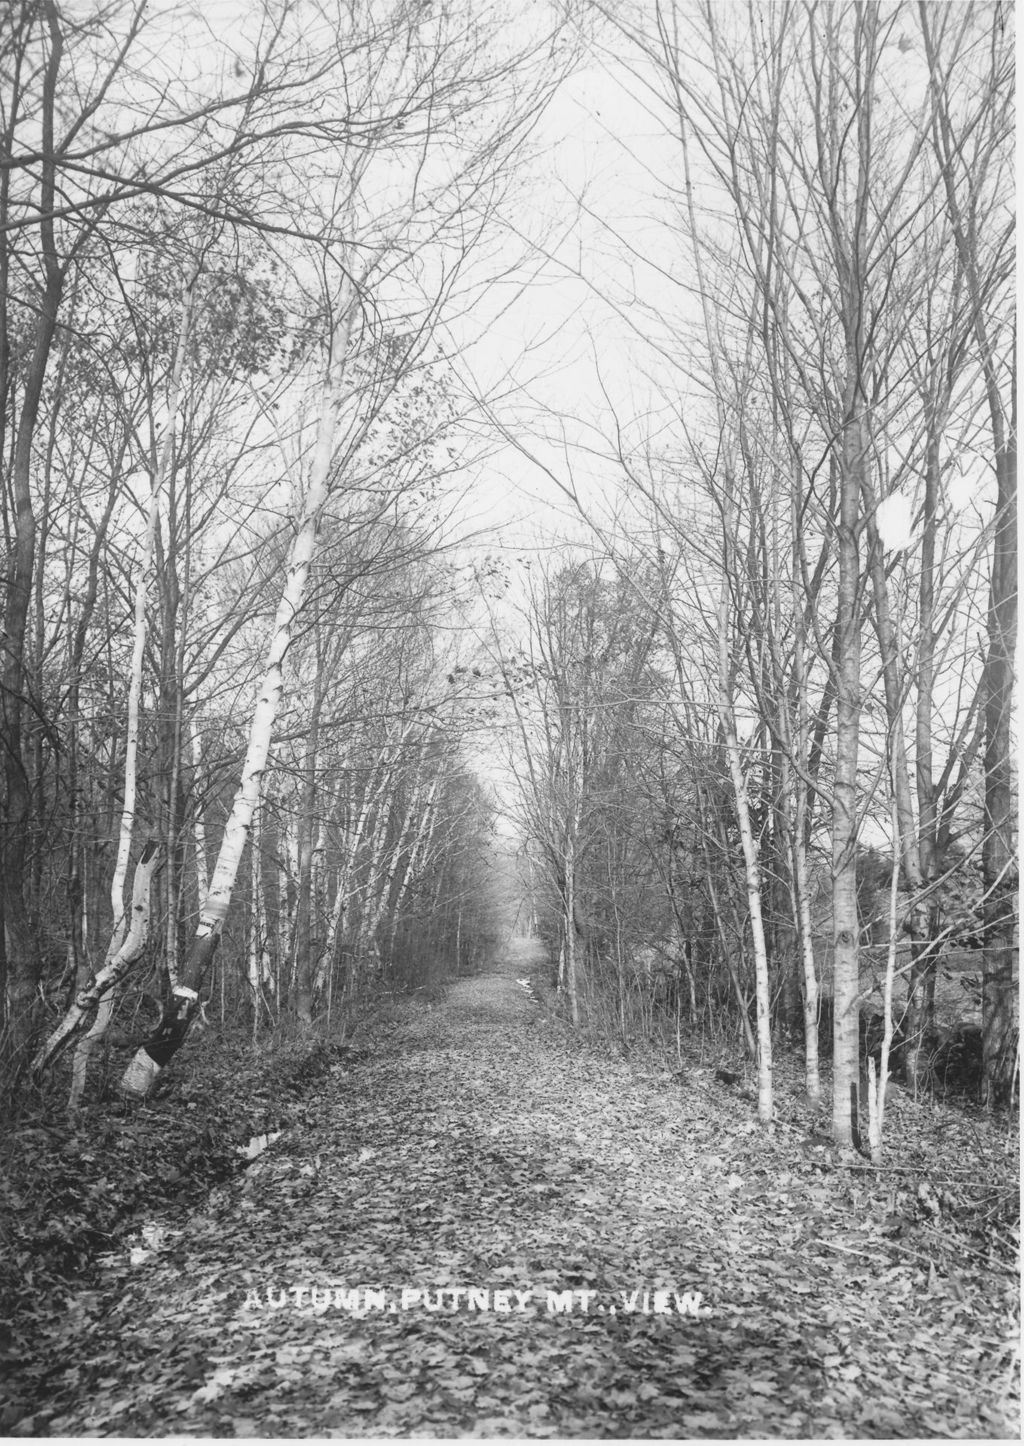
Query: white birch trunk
x=420, y=847
x=118, y=962
x=877, y=1086
x=256, y=960
x=570, y=937
x=798, y=843
x=751, y=869
x=353, y=838
x=383, y=891
x=288, y=899
x=370, y=890
x=199, y=828
x=801, y=888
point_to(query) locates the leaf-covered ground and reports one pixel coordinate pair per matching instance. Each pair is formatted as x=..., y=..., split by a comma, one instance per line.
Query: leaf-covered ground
x=726, y=1282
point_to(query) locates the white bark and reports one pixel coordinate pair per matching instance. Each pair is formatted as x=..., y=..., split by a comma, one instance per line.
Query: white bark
x=877, y=1087
x=100, y=990
x=386, y=881
x=199, y=828
x=218, y=900
x=751, y=863
x=420, y=848
x=570, y=935
x=257, y=961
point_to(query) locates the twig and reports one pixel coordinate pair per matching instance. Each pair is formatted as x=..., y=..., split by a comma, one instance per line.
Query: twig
x=897, y=1245
x=962, y=1248
x=846, y=1250
x=950, y=1178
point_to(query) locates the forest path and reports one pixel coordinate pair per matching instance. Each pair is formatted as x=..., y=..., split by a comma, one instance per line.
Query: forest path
x=473, y=1145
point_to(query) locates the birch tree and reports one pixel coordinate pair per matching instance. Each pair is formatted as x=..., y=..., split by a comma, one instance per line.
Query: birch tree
x=150, y=1058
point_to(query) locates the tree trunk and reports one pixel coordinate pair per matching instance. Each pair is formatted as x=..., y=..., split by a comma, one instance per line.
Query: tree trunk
x=999, y=1036
x=845, y=921
x=121, y=956
x=570, y=939
x=302, y=989
x=21, y=952
x=751, y=870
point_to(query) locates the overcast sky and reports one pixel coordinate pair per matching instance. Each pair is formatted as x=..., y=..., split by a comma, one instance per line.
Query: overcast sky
x=564, y=351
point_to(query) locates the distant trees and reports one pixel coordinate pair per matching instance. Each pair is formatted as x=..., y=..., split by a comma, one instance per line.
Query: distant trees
x=579, y=680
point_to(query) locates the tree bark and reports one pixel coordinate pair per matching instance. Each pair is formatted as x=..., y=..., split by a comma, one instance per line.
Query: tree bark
x=121, y=956
x=999, y=1029
x=845, y=921
x=751, y=873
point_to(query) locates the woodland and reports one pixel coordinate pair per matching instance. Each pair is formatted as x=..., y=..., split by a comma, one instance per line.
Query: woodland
x=393, y=896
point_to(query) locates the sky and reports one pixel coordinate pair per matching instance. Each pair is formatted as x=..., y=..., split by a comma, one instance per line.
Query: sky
x=565, y=351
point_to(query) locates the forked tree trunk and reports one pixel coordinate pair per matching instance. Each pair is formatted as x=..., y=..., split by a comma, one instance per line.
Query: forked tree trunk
x=153, y=1056
x=118, y=963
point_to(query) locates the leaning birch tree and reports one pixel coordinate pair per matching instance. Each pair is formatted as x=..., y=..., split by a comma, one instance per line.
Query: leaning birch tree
x=151, y=1057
